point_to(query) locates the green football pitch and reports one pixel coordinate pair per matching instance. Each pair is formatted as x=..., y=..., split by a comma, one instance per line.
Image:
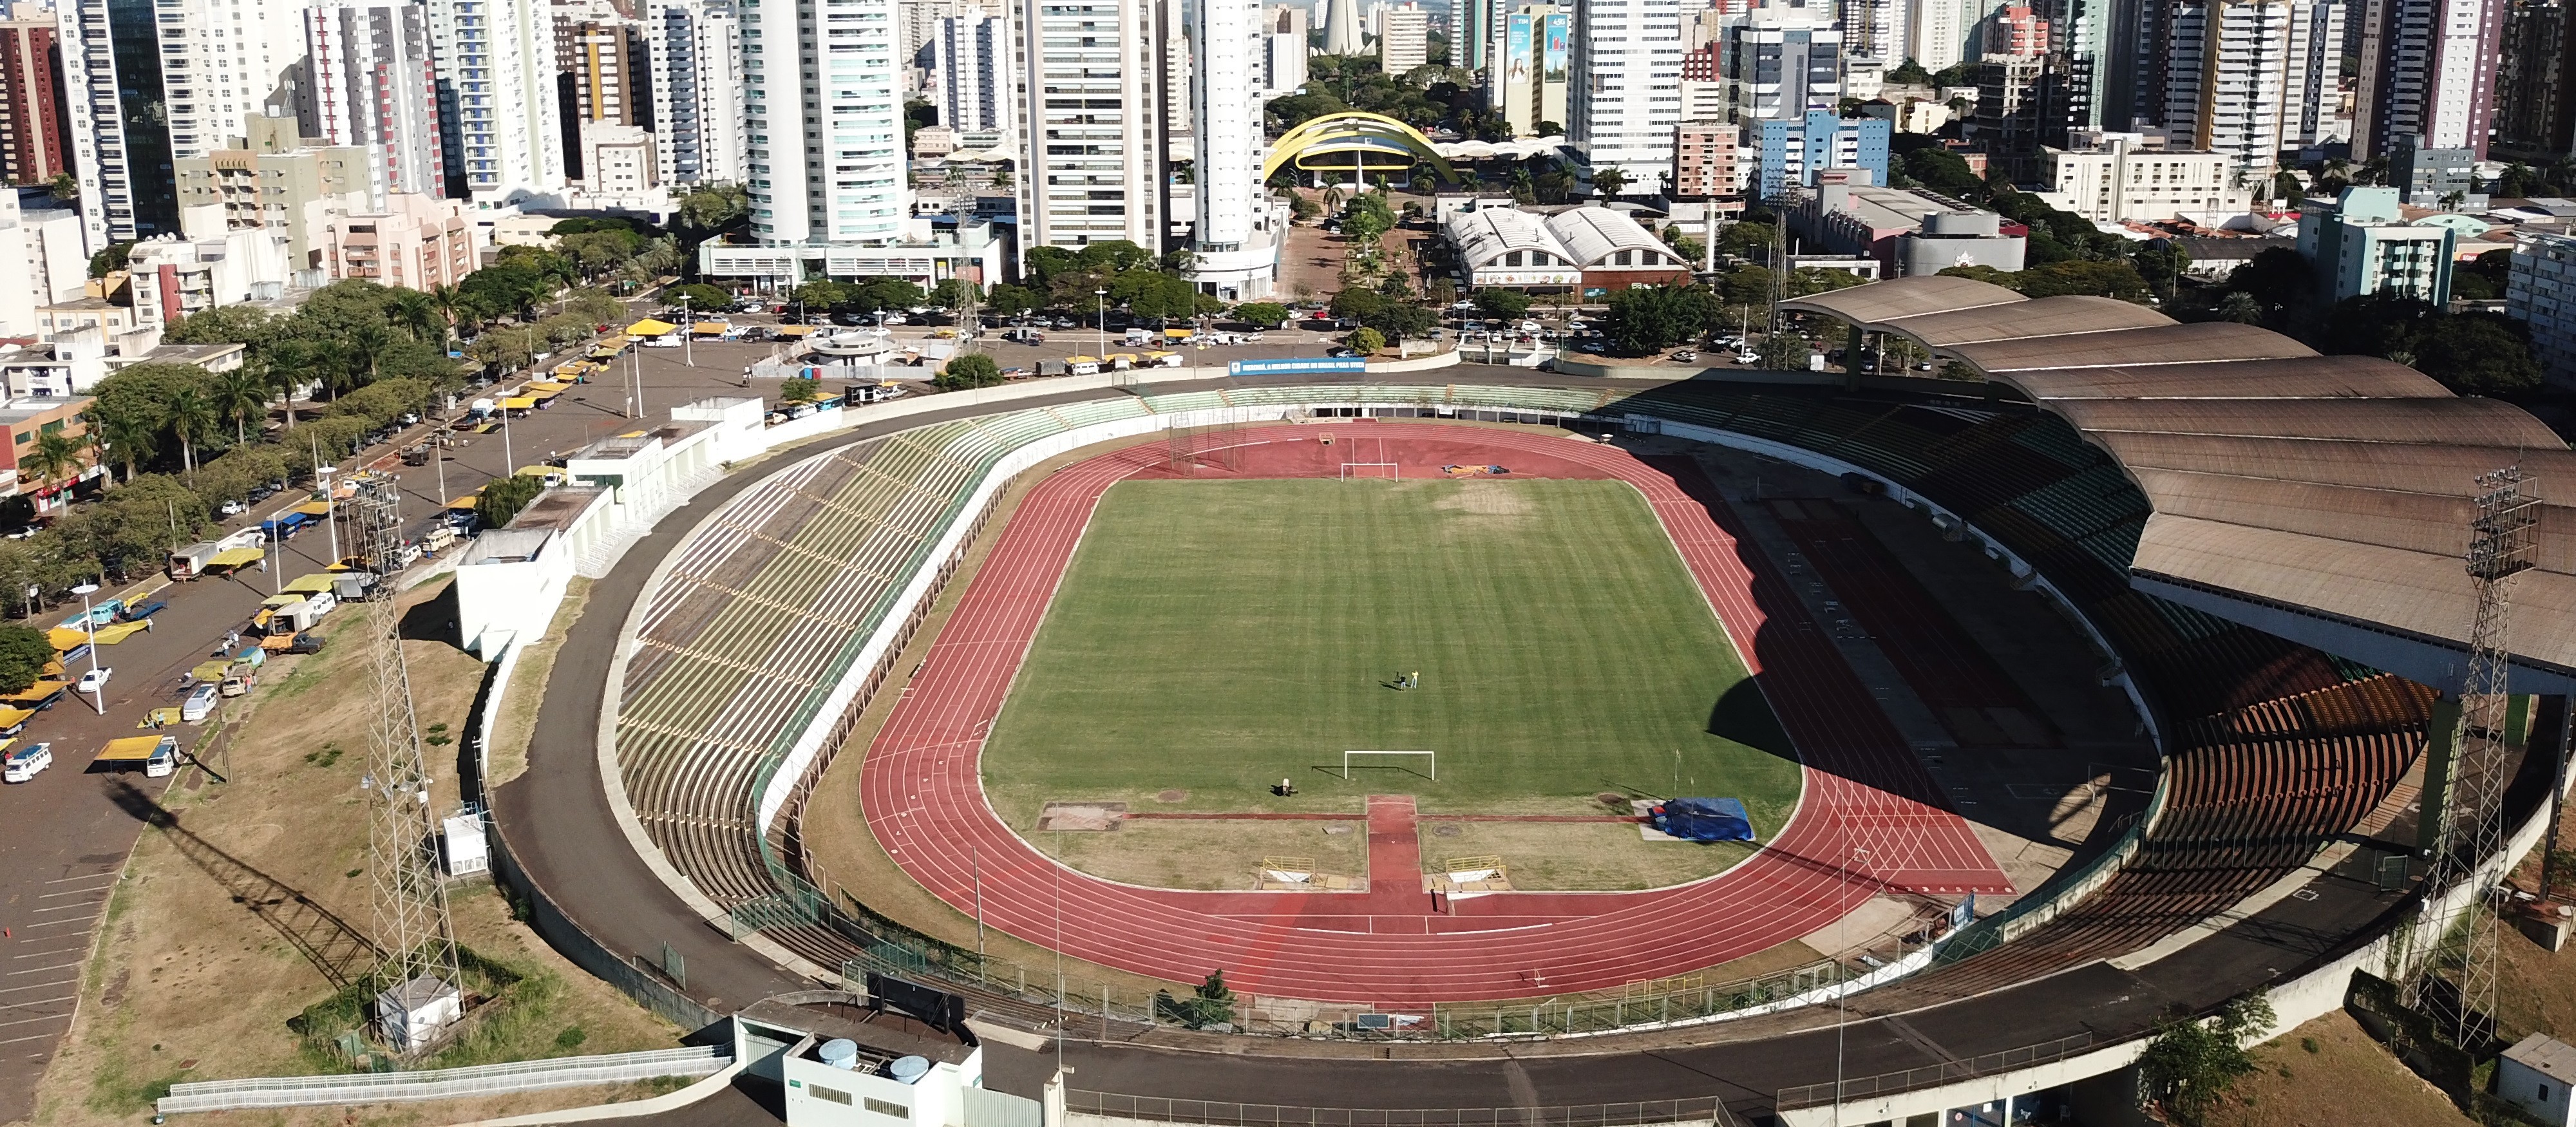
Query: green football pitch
x=1214, y=637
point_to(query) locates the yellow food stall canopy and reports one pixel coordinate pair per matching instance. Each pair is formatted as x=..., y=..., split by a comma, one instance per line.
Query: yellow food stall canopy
x=1083, y=360
x=551, y=472
x=709, y=328
x=161, y=718
x=111, y=635
x=466, y=502
x=36, y=694
x=610, y=344
x=131, y=749
x=314, y=508
x=545, y=387
x=275, y=601
x=1159, y=355
x=518, y=403
x=11, y=718
x=66, y=639
x=235, y=557
x=1178, y=334
x=795, y=330
x=209, y=671
x=649, y=327
x=53, y=667
x=1129, y=357
x=315, y=583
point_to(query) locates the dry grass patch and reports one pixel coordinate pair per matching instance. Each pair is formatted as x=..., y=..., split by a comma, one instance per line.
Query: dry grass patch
x=2328, y=1073
x=506, y=757
x=1207, y=855
x=202, y=958
x=1578, y=855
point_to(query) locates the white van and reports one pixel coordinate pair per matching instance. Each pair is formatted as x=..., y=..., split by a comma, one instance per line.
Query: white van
x=199, y=705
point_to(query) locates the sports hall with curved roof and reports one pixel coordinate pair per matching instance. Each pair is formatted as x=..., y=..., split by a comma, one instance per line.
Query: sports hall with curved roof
x=2325, y=499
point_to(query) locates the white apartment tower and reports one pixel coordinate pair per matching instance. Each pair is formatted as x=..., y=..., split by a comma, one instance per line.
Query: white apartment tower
x=696, y=52
x=1940, y=32
x=1624, y=94
x=2428, y=70
x=971, y=80
x=500, y=123
x=2239, y=78
x=1403, y=38
x=1235, y=242
x=1091, y=100
x=370, y=83
x=150, y=81
x=825, y=123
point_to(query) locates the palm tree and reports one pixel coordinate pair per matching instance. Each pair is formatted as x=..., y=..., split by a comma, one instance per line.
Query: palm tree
x=124, y=435
x=366, y=344
x=55, y=455
x=189, y=413
x=1609, y=182
x=417, y=312
x=241, y=395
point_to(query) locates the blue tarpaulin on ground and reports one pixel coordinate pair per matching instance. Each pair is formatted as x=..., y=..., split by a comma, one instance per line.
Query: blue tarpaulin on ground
x=1704, y=819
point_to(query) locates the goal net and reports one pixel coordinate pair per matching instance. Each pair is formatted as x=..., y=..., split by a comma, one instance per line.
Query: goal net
x=1403, y=761
x=1369, y=469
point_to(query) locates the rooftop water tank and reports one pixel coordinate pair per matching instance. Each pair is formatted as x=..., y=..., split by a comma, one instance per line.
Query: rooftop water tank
x=841, y=1052
x=908, y=1070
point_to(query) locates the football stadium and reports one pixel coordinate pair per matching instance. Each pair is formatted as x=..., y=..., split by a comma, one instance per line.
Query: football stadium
x=1458, y=746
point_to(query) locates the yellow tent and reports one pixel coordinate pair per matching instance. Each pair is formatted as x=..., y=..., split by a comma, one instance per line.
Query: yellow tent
x=12, y=719
x=207, y=671
x=111, y=635
x=466, y=502
x=235, y=557
x=66, y=639
x=649, y=327
x=36, y=694
x=552, y=474
x=131, y=749
x=709, y=329
x=1179, y=334
x=795, y=330
x=315, y=583
x=545, y=387
x=314, y=508
x=1083, y=360
x=518, y=403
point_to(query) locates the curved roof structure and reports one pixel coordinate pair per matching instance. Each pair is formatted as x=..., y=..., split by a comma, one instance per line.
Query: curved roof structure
x=1354, y=135
x=1488, y=233
x=2325, y=499
x=1593, y=234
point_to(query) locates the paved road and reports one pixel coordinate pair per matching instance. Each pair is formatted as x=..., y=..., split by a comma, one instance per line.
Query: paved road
x=577, y=853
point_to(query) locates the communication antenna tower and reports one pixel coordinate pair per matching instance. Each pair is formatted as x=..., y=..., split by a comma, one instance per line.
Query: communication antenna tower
x=2501, y=545
x=412, y=925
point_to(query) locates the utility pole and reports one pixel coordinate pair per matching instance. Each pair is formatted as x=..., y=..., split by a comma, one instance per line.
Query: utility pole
x=413, y=930
x=2502, y=542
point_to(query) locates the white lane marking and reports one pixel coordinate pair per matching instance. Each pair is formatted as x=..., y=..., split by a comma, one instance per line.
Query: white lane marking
x=37, y=986
x=92, y=876
x=41, y=970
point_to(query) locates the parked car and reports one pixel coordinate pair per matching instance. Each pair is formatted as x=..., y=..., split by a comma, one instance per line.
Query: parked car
x=23, y=764
x=232, y=508
x=94, y=680
x=1685, y=356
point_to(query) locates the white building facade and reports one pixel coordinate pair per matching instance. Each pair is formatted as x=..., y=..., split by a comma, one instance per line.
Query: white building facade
x=2541, y=292
x=1624, y=92
x=825, y=152
x=2116, y=180
x=1236, y=241
x=370, y=82
x=2239, y=68
x=696, y=52
x=501, y=127
x=1092, y=108
x=970, y=80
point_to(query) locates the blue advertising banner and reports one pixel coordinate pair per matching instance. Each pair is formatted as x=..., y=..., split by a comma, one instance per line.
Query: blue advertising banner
x=1555, y=34
x=1516, y=40
x=1294, y=366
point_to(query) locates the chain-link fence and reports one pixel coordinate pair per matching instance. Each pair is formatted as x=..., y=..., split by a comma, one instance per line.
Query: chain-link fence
x=448, y=1083
x=1702, y=1109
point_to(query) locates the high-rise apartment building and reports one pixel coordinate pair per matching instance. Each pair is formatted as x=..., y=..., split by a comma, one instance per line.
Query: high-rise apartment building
x=696, y=52
x=2236, y=78
x=500, y=124
x=2540, y=291
x=1780, y=64
x=1236, y=239
x=971, y=75
x=1623, y=91
x=1942, y=33
x=2015, y=29
x=2428, y=69
x=35, y=124
x=1791, y=151
x=1704, y=160
x=1403, y=38
x=1876, y=29
x=120, y=144
x=2532, y=84
x=1284, y=47
x=1094, y=111
x=825, y=123
x=2026, y=103
x=606, y=70
x=1703, y=91
x=369, y=82
x=1527, y=81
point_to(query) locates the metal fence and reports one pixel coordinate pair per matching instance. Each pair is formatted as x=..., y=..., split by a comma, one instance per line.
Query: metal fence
x=1700, y=1109
x=449, y=1083
x=1934, y=1075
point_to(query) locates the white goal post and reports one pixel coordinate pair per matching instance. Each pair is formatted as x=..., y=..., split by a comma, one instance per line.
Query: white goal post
x=1370, y=469
x=1430, y=760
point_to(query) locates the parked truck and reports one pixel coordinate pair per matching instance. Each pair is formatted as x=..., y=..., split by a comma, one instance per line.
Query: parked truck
x=190, y=562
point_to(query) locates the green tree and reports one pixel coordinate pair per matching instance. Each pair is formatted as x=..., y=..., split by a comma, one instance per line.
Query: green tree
x=1609, y=181
x=701, y=298
x=799, y=389
x=111, y=259
x=1008, y=300
x=1785, y=351
x=2190, y=1064
x=239, y=397
x=2478, y=354
x=23, y=654
x=971, y=370
x=1262, y=314
x=1647, y=319
x=1367, y=341
x=1494, y=302
x=189, y=413
x=503, y=497
x=54, y=457
x=1212, y=1003
x=953, y=294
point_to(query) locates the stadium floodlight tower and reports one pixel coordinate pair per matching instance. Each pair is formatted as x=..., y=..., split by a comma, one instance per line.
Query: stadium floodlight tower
x=420, y=992
x=2502, y=540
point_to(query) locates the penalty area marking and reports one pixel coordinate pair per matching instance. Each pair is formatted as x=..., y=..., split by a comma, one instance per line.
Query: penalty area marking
x=1430, y=758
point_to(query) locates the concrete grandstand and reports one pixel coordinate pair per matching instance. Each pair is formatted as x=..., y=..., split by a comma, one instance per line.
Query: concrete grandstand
x=2262, y=541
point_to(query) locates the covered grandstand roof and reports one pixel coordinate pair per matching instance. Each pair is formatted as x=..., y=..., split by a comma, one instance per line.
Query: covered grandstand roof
x=1592, y=234
x=2336, y=488
x=1488, y=233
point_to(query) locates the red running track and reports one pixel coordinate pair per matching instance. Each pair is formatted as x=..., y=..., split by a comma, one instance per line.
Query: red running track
x=1864, y=790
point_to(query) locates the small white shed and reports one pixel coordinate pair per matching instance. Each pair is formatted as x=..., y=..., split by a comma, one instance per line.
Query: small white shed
x=2535, y=1075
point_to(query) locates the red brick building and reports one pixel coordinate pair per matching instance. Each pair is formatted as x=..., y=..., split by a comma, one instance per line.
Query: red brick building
x=35, y=129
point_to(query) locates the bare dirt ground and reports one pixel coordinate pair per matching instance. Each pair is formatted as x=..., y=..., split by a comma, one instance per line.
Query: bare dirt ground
x=244, y=892
x=1578, y=855
x=1209, y=855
